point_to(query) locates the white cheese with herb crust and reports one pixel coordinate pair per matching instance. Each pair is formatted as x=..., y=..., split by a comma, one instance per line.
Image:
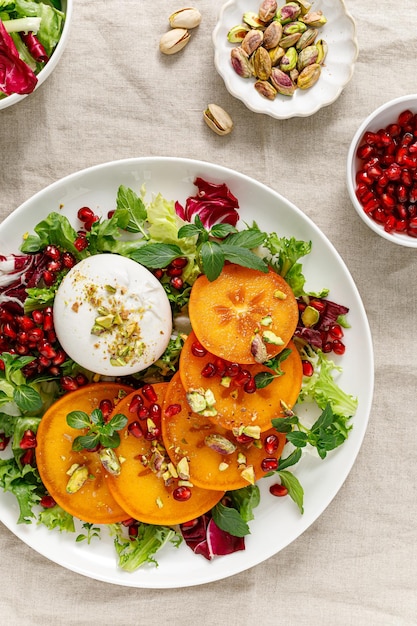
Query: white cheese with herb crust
x=112, y=316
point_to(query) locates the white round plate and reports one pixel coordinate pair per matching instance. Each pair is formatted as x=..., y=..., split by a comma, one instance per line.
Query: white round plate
x=277, y=520
x=340, y=34
x=52, y=63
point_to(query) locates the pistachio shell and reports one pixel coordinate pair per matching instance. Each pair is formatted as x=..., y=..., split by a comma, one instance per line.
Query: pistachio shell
x=307, y=38
x=253, y=20
x=262, y=64
x=185, y=18
x=289, y=60
x=272, y=35
x=305, y=6
x=282, y=82
x=276, y=55
x=288, y=13
x=307, y=56
x=174, y=40
x=294, y=27
x=322, y=51
x=218, y=120
x=315, y=19
x=252, y=40
x=309, y=76
x=267, y=10
x=289, y=40
x=237, y=33
x=241, y=63
x=266, y=90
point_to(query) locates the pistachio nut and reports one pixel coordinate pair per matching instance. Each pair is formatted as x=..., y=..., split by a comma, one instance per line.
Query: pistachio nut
x=307, y=56
x=248, y=474
x=289, y=40
x=241, y=63
x=289, y=60
x=265, y=89
x=282, y=82
x=252, y=19
x=237, y=33
x=305, y=6
x=315, y=19
x=309, y=76
x=252, y=40
x=288, y=13
x=188, y=17
x=218, y=120
x=307, y=38
x=262, y=64
x=272, y=35
x=294, y=75
x=258, y=348
x=110, y=461
x=219, y=444
x=78, y=477
x=322, y=51
x=267, y=10
x=174, y=40
x=276, y=55
x=294, y=27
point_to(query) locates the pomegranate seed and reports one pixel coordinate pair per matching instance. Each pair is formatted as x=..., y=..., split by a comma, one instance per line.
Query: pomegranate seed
x=52, y=252
x=47, y=502
x=308, y=369
x=128, y=522
x=180, y=261
x=28, y=440
x=85, y=214
x=68, y=383
x=243, y=438
x=37, y=316
x=242, y=377
x=172, y=409
x=48, y=278
x=149, y=393
x=133, y=531
x=336, y=331
x=54, y=266
x=250, y=386
x=143, y=413
x=68, y=260
x=192, y=523
x=233, y=369
x=9, y=331
x=155, y=412
x=25, y=323
x=106, y=407
x=46, y=350
x=28, y=457
x=59, y=357
x=278, y=490
x=209, y=370
x=158, y=273
x=135, y=403
x=177, y=282
x=88, y=225
x=3, y=441
x=269, y=464
x=81, y=243
x=197, y=349
x=338, y=347
x=174, y=271
x=271, y=444
x=181, y=494
x=135, y=429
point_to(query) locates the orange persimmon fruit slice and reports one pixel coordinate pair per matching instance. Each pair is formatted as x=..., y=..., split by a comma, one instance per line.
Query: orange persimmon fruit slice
x=93, y=502
x=234, y=407
x=213, y=463
x=229, y=311
x=140, y=489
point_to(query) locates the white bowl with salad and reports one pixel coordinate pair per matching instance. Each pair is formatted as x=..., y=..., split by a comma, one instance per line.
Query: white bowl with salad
x=33, y=36
x=146, y=209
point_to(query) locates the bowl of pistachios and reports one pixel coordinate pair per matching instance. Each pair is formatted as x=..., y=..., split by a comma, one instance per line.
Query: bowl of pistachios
x=285, y=59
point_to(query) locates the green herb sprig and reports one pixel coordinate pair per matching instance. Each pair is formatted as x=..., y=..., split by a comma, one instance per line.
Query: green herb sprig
x=99, y=432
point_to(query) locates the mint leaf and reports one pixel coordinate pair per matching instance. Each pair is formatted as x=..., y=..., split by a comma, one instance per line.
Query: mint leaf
x=230, y=520
x=212, y=259
x=156, y=255
x=78, y=419
x=295, y=490
x=291, y=459
x=250, y=238
x=245, y=500
x=129, y=201
x=27, y=399
x=243, y=256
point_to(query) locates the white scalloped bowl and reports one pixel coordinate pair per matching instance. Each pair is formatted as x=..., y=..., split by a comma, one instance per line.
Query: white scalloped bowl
x=14, y=98
x=340, y=34
x=380, y=118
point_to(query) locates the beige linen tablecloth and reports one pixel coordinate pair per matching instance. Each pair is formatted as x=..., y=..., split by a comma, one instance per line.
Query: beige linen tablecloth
x=114, y=96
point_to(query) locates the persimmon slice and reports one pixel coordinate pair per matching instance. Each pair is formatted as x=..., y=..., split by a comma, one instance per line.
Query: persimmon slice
x=92, y=503
x=185, y=435
x=235, y=408
x=139, y=489
x=228, y=312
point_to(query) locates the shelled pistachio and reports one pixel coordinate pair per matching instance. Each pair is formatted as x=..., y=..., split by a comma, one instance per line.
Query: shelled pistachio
x=278, y=45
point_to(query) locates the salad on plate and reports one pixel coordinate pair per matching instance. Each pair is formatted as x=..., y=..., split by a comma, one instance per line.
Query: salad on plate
x=154, y=366
x=29, y=33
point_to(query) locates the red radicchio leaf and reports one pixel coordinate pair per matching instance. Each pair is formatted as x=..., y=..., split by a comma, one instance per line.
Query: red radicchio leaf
x=17, y=273
x=213, y=203
x=15, y=75
x=221, y=542
x=331, y=313
x=35, y=47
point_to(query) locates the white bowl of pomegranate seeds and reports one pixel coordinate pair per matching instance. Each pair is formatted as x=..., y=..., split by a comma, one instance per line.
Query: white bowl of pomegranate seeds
x=382, y=171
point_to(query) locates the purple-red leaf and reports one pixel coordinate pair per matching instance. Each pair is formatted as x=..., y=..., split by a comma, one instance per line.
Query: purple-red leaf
x=213, y=203
x=15, y=75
